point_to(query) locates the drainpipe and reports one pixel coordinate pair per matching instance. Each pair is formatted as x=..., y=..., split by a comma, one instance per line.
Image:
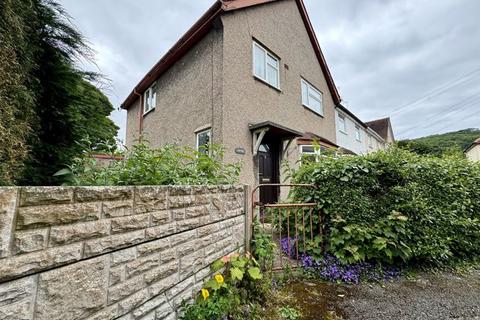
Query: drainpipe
x=140, y=115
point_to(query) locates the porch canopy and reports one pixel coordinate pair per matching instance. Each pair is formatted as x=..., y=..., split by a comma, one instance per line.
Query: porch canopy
x=271, y=130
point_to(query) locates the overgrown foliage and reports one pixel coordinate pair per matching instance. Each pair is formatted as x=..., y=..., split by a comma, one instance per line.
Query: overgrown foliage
x=396, y=206
x=263, y=246
x=17, y=98
x=143, y=165
x=46, y=103
x=439, y=144
x=234, y=292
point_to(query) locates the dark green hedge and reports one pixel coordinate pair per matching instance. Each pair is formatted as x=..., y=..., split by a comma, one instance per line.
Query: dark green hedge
x=395, y=205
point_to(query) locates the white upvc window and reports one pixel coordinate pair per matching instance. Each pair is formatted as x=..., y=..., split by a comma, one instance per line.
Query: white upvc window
x=203, y=141
x=311, y=153
x=370, y=141
x=150, y=98
x=358, y=133
x=312, y=98
x=342, y=123
x=266, y=66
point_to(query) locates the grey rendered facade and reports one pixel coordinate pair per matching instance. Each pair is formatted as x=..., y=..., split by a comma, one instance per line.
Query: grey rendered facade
x=213, y=86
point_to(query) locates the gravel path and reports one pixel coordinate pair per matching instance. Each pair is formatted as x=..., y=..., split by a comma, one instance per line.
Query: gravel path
x=442, y=296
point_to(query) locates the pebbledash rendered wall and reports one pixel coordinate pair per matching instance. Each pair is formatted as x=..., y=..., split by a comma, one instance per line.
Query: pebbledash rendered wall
x=112, y=252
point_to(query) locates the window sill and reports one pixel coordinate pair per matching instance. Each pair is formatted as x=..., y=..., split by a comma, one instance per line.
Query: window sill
x=344, y=132
x=145, y=113
x=266, y=83
x=313, y=111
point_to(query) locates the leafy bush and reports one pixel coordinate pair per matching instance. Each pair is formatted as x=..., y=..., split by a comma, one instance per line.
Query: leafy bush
x=394, y=205
x=233, y=293
x=263, y=246
x=143, y=165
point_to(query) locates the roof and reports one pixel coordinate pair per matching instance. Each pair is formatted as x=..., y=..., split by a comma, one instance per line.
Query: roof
x=276, y=129
x=203, y=26
x=104, y=156
x=346, y=151
x=363, y=124
x=345, y=110
x=381, y=126
x=312, y=136
x=474, y=143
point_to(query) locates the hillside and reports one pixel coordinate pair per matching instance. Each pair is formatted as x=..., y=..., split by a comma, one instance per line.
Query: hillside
x=439, y=143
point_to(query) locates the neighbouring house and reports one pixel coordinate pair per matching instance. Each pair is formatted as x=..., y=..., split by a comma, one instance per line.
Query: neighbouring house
x=356, y=137
x=384, y=128
x=472, y=152
x=249, y=75
x=103, y=159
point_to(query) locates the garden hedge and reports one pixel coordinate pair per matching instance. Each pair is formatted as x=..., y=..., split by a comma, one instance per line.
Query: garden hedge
x=395, y=205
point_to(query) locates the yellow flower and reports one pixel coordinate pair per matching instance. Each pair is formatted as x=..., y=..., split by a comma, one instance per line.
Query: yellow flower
x=205, y=294
x=219, y=278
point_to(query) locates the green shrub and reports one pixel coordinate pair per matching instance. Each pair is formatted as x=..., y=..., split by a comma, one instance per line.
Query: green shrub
x=168, y=165
x=263, y=246
x=394, y=205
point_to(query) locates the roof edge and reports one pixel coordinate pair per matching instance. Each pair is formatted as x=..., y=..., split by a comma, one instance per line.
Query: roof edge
x=189, y=38
x=351, y=114
x=201, y=27
x=318, y=51
x=472, y=145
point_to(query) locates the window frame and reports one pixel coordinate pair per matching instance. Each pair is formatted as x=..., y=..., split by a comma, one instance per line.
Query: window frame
x=150, y=91
x=267, y=53
x=344, y=118
x=315, y=153
x=358, y=133
x=306, y=104
x=197, y=139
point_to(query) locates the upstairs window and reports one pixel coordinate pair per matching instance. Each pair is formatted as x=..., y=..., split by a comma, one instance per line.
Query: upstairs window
x=150, y=98
x=342, y=124
x=370, y=141
x=358, y=133
x=312, y=98
x=203, y=141
x=266, y=66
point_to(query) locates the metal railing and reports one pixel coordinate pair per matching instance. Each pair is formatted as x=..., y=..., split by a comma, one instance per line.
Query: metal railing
x=291, y=225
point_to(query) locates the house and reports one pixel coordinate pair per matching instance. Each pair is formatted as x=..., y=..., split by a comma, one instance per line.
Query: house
x=104, y=160
x=249, y=75
x=356, y=137
x=384, y=128
x=472, y=152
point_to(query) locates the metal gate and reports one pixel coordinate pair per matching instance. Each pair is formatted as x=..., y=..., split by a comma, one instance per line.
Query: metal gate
x=291, y=226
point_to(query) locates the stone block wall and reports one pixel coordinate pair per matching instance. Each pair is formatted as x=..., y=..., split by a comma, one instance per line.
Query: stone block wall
x=112, y=252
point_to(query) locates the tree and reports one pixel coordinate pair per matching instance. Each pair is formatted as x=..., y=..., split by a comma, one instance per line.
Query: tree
x=66, y=108
x=17, y=99
x=440, y=144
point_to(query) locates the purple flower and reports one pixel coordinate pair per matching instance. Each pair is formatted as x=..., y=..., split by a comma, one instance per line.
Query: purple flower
x=288, y=246
x=330, y=268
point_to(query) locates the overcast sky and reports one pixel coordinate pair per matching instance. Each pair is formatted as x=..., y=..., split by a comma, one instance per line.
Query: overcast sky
x=417, y=61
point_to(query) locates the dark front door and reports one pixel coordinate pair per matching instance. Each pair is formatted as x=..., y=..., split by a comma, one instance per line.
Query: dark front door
x=268, y=171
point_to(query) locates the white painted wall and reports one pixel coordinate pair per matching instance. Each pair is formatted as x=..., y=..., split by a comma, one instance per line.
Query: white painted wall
x=474, y=153
x=347, y=139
